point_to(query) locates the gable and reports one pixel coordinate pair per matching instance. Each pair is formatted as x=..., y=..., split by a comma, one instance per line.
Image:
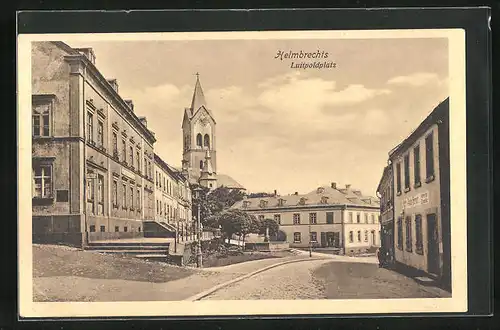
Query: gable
x=202, y=113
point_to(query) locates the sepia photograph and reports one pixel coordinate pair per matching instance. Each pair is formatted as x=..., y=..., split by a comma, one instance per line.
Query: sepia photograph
x=242, y=173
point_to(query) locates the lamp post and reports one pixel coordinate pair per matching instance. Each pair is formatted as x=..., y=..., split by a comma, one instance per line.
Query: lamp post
x=310, y=241
x=199, y=261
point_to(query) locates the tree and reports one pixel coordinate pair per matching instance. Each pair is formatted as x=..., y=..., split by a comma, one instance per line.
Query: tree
x=230, y=222
x=212, y=203
x=268, y=223
x=249, y=225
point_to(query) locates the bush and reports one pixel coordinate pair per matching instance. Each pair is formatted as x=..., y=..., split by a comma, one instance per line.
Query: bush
x=281, y=236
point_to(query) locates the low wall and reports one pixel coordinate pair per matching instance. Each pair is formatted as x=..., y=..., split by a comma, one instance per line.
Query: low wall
x=267, y=246
x=99, y=236
x=71, y=239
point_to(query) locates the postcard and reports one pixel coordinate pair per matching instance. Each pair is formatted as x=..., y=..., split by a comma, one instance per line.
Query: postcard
x=242, y=173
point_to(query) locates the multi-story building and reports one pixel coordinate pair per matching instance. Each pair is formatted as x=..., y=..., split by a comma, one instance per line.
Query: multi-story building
x=421, y=173
x=385, y=191
x=172, y=198
x=329, y=216
x=92, y=157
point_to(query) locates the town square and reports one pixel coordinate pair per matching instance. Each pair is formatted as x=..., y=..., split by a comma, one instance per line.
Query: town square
x=160, y=172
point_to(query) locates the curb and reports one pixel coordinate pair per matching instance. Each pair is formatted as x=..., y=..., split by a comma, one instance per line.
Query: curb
x=208, y=292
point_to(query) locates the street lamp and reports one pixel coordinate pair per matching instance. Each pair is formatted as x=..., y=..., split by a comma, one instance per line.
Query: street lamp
x=310, y=241
x=199, y=261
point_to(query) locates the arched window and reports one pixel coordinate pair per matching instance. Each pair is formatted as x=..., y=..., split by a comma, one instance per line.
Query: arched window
x=206, y=141
x=199, y=140
x=201, y=164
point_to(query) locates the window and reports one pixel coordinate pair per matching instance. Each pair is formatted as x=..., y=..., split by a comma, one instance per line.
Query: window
x=400, y=233
x=416, y=166
x=138, y=196
x=314, y=236
x=373, y=218
x=124, y=150
x=92, y=228
x=125, y=229
x=358, y=218
x=42, y=181
x=124, y=196
x=418, y=231
x=161, y=209
x=157, y=206
x=296, y=219
x=408, y=234
x=312, y=218
x=261, y=217
x=201, y=164
x=138, y=157
x=90, y=127
x=115, y=144
x=100, y=133
x=406, y=163
x=117, y=229
x=277, y=218
x=131, y=156
x=164, y=185
x=199, y=140
x=90, y=191
x=206, y=141
x=41, y=119
x=429, y=157
x=132, y=198
x=359, y=236
x=366, y=218
x=100, y=194
x=103, y=229
x=350, y=217
x=115, y=193
x=296, y=237
x=398, y=178
x=329, y=218
x=366, y=235
x=351, y=237
x=146, y=167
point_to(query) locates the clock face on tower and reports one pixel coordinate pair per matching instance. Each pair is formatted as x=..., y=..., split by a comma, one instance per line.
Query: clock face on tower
x=203, y=120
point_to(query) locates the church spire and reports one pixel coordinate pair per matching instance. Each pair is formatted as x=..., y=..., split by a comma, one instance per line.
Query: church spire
x=207, y=166
x=198, y=96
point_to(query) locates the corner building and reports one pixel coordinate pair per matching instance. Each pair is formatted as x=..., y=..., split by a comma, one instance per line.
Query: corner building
x=92, y=156
x=421, y=170
x=329, y=217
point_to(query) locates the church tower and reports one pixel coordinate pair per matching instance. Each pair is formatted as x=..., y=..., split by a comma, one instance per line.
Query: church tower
x=198, y=130
x=207, y=177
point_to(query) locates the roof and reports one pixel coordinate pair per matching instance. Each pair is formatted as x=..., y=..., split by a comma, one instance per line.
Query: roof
x=385, y=175
x=172, y=171
x=224, y=180
x=440, y=112
x=198, y=96
x=334, y=196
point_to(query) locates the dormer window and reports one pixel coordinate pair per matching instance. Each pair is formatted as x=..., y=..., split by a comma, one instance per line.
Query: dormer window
x=281, y=202
x=263, y=203
x=302, y=201
x=320, y=190
x=324, y=200
x=246, y=204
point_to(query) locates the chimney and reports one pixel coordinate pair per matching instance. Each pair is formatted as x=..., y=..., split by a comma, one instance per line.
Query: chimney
x=130, y=104
x=88, y=52
x=334, y=185
x=275, y=192
x=143, y=121
x=296, y=193
x=113, y=84
x=347, y=186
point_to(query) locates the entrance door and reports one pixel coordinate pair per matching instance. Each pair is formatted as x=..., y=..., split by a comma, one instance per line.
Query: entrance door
x=432, y=244
x=336, y=239
x=323, y=240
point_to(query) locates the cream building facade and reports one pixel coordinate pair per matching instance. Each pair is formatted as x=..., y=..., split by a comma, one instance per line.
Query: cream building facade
x=339, y=218
x=420, y=167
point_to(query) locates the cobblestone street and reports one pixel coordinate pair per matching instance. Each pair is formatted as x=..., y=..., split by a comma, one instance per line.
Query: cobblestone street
x=326, y=279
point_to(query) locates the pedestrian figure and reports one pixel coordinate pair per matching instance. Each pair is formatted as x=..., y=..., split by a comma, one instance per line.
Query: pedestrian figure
x=381, y=255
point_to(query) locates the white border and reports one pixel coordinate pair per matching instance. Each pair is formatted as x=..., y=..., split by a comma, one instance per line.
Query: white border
x=458, y=301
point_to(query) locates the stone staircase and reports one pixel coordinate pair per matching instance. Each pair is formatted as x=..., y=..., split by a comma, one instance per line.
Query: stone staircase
x=158, y=251
x=158, y=229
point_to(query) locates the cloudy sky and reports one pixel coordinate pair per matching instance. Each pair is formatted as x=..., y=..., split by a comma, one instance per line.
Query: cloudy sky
x=282, y=128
